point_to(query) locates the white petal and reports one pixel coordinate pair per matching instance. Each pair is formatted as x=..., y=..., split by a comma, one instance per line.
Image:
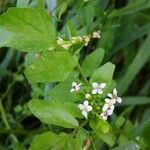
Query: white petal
x=110, y=95
x=94, y=91
x=74, y=84
x=89, y=108
x=102, y=85
x=112, y=107
x=77, y=88
x=84, y=113
x=86, y=103
x=81, y=106
x=72, y=90
x=79, y=84
x=119, y=99
x=100, y=91
x=105, y=107
x=115, y=92
x=107, y=100
x=95, y=85
x=103, y=116
x=109, y=112
x=113, y=101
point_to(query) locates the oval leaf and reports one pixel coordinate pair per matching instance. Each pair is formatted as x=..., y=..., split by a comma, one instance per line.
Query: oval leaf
x=51, y=67
x=104, y=73
x=20, y=29
x=53, y=113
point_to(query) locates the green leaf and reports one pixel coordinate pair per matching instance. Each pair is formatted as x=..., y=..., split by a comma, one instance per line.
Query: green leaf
x=89, y=13
x=145, y=133
x=127, y=37
x=133, y=7
x=45, y=141
x=104, y=73
x=51, y=67
x=136, y=100
x=119, y=122
x=20, y=29
x=131, y=145
x=102, y=125
x=92, y=61
x=62, y=8
x=53, y=113
x=139, y=61
x=71, y=29
x=128, y=129
x=103, y=130
x=61, y=92
x=49, y=141
x=108, y=36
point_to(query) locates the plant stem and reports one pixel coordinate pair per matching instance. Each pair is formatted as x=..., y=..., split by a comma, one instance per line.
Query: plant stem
x=82, y=74
x=80, y=126
x=4, y=118
x=93, y=144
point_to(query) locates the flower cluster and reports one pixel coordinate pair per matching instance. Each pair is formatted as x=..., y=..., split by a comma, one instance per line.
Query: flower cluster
x=88, y=105
x=108, y=107
x=78, y=39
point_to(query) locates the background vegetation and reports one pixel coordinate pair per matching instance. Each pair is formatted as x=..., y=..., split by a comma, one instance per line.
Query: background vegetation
x=125, y=28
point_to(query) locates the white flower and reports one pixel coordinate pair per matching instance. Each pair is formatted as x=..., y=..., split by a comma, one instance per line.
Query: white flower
x=76, y=39
x=114, y=96
x=96, y=34
x=109, y=104
x=75, y=87
x=104, y=115
x=63, y=43
x=85, y=108
x=86, y=39
x=97, y=88
x=87, y=96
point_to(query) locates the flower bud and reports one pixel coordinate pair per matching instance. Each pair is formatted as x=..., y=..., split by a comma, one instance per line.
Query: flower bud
x=87, y=96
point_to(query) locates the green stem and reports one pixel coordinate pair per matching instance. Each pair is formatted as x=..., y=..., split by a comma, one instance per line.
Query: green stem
x=4, y=118
x=82, y=74
x=8, y=90
x=93, y=144
x=80, y=126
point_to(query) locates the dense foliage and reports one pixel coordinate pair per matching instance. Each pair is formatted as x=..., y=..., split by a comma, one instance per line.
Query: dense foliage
x=74, y=74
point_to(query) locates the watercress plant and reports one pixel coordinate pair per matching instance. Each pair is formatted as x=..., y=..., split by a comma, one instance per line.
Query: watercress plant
x=76, y=95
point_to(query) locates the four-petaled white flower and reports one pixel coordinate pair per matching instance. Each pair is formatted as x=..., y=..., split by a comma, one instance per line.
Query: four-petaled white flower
x=75, y=87
x=97, y=88
x=109, y=104
x=104, y=115
x=114, y=96
x=85, y=108
x=96, y=34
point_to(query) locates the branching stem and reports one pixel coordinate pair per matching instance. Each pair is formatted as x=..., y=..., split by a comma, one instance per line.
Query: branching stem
x=82, y=74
